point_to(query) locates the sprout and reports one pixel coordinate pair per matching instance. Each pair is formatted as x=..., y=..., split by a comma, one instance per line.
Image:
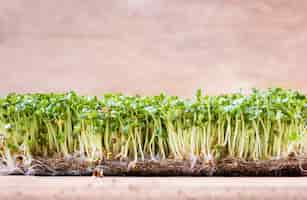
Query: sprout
x=258, y=126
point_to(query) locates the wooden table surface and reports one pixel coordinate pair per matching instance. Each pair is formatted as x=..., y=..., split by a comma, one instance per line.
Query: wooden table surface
x=15, y=188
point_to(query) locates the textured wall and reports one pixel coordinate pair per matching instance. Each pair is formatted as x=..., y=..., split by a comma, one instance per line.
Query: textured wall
x=148, y=46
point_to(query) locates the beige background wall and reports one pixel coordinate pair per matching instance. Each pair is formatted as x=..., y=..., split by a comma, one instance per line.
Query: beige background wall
x=148, y=46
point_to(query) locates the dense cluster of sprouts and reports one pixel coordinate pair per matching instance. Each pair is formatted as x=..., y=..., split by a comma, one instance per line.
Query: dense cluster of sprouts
x=262, y=125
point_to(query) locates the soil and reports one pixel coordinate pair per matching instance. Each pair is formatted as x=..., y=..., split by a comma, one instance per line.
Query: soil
x=74, y=166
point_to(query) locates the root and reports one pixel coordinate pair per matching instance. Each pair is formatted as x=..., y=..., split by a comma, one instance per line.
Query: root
x=76, y=166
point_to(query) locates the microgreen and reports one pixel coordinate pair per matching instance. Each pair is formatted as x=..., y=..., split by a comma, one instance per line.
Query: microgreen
x=258, y=126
